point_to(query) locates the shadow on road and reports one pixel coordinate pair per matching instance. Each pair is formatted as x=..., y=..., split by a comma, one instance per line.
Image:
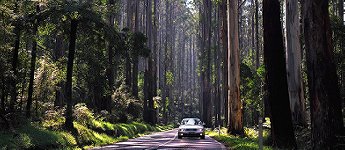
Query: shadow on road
x=166, y=140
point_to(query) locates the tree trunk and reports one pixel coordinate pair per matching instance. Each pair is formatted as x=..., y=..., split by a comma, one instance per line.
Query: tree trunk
x=278, y=96
x=32, y=67
x=136, y=57
x=110, y=50
x=225, y=59
x=151, y=111
x=164, y=98
x=253, y=33
x=150, y=45
x=128, y=71
x=128, y=66
x=129, y=14
x=147, y=112
x=206, y=96
x=71, y=52
x=3, y=99
x=341, y=10
x=293, y=50
x=135, y=75
x=155, y=45
x=111, y=66
x=325, y=101
x=149, y=72
x=165, y=89
x=257, y=48
x=172, y=48
x=217, y=63
x=136, y=15
x=235, y=125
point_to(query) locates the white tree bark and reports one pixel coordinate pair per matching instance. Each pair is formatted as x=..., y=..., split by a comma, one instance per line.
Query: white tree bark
x=293, y=65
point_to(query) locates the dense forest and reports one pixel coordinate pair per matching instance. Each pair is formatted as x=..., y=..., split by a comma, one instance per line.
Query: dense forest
x=66, y=65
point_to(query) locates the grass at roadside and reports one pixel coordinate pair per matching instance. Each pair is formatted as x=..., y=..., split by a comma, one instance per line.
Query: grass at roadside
x=248, y=142
x=31, y=136
x=35, y=136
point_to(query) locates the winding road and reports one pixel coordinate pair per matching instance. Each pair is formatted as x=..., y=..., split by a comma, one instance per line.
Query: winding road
x=165, y=140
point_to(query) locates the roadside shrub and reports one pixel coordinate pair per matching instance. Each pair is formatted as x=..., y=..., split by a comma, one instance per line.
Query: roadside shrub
x=54, y=119
x=134, y=109
x=103, y=115
x=82, y=114
x=126, y=108
x=122, y=117
x=251, y=133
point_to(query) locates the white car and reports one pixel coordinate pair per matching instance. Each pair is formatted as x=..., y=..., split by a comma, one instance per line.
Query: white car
x=191, y=127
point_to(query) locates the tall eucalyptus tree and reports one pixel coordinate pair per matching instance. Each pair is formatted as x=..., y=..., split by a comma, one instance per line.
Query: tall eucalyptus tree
x=325, y=100
x=294, y=61
x=278, y=96
x=235, y=123
x=206, y=62
x=32, y=64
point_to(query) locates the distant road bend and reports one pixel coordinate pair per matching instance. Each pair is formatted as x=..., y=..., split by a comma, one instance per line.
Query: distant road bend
x=166, y=140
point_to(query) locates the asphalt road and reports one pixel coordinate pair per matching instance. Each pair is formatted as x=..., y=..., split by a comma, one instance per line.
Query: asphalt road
x=166, y=140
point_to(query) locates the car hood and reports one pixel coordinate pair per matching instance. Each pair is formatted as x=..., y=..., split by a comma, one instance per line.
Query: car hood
x=190, y=127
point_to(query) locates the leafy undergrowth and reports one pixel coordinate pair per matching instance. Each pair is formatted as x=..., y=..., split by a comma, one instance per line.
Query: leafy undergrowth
x=31, y=136
x=35, y=136
x=248, y=142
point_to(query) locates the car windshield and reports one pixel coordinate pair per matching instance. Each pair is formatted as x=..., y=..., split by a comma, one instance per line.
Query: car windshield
x=190, y=122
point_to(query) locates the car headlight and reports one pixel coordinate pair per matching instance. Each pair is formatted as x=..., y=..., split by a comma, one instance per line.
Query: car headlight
x=200, y=130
